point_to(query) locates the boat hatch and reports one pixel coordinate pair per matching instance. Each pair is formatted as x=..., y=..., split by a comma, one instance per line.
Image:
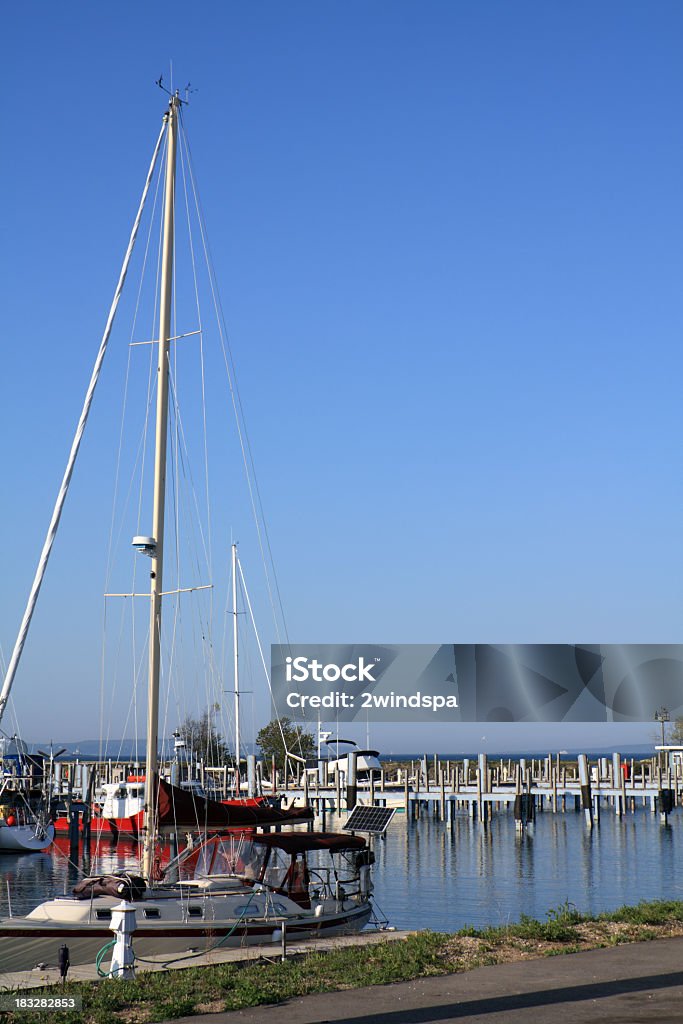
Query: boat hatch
x=152, y=912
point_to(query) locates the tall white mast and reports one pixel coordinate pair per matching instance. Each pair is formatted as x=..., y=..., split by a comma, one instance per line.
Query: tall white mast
x=156, y=574
x=236, y=660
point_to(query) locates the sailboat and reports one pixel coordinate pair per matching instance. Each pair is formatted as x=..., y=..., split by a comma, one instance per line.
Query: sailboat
x=244, y=886
x=24, y=827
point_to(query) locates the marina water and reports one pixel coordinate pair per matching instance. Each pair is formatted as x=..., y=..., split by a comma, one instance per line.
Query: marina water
x=445, y=875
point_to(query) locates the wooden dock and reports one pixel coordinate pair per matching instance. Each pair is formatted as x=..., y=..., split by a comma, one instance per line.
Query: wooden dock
x=527, y=786
x=480, y=786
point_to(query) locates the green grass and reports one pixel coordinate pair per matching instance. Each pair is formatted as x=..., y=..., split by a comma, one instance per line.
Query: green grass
x=656, y=912
x=559, y=926
x=157, y=996
x=179, y=993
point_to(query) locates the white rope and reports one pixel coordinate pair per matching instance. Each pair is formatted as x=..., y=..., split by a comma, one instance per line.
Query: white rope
x=61, y=497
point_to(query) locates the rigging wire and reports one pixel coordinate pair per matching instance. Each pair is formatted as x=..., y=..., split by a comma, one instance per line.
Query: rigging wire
x=263, y=660
x=245, y=443
x=73, y=454
x=183, y=161
x=141, y=455
x=186, y=497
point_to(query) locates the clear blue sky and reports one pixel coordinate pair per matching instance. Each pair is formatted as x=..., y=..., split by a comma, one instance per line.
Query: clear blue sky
x=448, y=236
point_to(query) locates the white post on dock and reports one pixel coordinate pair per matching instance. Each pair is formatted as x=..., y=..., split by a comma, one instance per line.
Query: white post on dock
x=251, y=774
x=123, y=957
x=584, y=782
x=616, y=782
x=482, y=787
x=351, y=787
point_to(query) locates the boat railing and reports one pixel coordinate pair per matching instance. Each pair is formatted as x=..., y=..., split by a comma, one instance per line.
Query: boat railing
x=325, y=883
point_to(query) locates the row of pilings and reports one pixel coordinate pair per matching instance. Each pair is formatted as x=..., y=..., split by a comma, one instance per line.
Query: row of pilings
x=481, y=786
x=526, y=786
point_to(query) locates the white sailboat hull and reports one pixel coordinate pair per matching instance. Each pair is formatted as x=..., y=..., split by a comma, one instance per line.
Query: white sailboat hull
x=366, y=761
x=23, y=839
x=25, y=944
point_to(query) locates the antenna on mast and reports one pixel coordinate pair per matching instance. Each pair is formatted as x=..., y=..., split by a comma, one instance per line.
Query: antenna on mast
x=176, y=93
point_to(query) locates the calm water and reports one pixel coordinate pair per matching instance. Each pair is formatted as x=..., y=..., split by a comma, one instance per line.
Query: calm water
x=441, y=876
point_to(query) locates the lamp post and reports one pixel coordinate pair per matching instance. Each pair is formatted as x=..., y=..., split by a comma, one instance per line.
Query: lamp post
x=662, y=715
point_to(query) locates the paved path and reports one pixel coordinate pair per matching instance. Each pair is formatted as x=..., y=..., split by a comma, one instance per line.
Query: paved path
x=631, y=984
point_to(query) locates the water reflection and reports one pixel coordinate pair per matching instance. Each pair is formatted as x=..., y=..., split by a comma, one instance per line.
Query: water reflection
x=444, y=875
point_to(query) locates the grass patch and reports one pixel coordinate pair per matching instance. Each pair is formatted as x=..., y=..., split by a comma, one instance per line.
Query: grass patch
x=161, y=996
x=656, y=912
x=559, y=926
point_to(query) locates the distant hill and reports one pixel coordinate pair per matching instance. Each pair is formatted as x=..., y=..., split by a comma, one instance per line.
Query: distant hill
x=125, y=750
x=129, y=749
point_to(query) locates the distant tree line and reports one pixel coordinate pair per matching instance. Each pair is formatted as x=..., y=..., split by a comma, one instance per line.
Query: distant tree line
x=277, y=739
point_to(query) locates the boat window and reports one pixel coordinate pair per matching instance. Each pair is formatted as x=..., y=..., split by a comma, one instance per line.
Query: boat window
x=194, y=911
x=103, y=915
x=277, y=869
x=152, y=912
x=279, y=908
x=230, y=856
x=298, y=880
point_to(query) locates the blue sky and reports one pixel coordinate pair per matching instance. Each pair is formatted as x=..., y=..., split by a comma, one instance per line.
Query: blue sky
x=448, y=241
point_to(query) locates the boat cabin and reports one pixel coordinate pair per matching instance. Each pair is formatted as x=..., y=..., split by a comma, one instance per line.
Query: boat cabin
x=300, y=865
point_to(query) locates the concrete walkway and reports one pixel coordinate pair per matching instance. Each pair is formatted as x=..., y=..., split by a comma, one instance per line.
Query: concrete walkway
x=629, y=984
